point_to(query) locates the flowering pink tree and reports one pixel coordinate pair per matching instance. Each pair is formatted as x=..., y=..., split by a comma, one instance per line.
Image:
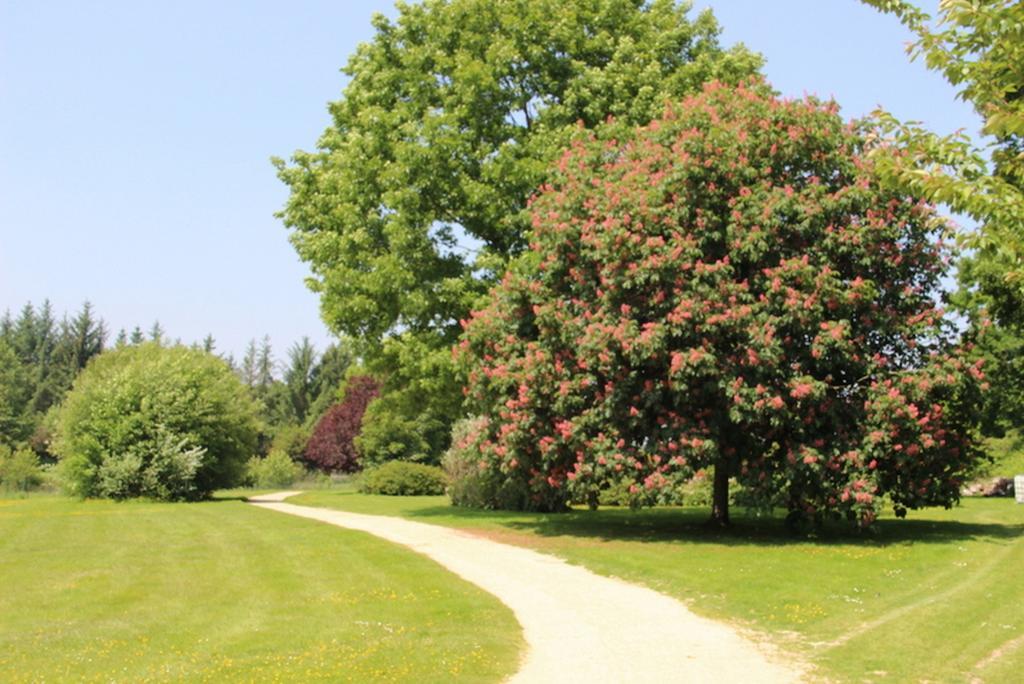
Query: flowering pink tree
x=729, y=289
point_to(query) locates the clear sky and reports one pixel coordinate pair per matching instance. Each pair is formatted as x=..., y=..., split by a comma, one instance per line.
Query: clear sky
x=135, y=140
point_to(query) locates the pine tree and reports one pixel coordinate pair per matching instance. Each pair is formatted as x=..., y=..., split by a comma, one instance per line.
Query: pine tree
x=247, y=371
x=265, y=365
x=82, y=338
x=45, y=335
x=12, y=396
x=49, y=379
x=24, y=342
x=37, y=378
x=6, y=326
x=300, y=378
x=328, y=377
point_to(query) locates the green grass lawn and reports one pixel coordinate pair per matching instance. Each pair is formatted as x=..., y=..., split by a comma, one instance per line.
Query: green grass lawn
x=938, y=597
x=222, y=591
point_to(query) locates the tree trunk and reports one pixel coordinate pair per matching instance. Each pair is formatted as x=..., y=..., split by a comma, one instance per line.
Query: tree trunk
x=720, y=500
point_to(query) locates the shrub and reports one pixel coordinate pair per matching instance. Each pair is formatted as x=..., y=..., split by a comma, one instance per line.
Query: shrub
x=401, y=478
x=412, y=418
x=277, y=469
x=729, y=289
x=332, y=446
x=19, y=469
x=699, y=491
x=393, y=430
x=163, y=467
x=292, y=440
x=470, y=483
x=391, y=435
x=169, y=423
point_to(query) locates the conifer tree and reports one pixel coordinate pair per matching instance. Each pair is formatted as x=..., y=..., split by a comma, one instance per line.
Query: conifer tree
x=300, y=377
x=82, y=338
x=265, y=365
x=247, y=370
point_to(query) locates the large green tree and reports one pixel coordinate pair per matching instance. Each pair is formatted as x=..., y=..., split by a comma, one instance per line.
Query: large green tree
x=415, y=197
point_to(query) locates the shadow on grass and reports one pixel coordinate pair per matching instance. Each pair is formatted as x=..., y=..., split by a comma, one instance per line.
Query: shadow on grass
x=688, y=525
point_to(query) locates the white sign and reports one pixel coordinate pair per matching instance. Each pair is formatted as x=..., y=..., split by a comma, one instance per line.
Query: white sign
x=1018, y=488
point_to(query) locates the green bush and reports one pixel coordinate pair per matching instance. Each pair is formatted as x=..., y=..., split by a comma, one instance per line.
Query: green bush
x=392, y=430
x=470, y=485
x=616, y=494
x=401, y=478
x=164, y=468
x=697, y=491
x=168, y=423
x=292, y=440
x=412, y=418
x=19, y=469
x=277, y=469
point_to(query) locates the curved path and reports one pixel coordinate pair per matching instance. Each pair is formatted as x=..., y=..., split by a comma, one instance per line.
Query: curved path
x=578, y=626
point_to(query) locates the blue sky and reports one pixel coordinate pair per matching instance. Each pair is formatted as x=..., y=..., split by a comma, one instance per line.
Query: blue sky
x=135, y=140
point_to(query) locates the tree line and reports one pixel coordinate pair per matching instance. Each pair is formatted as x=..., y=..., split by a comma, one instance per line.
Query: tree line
x=42, y=353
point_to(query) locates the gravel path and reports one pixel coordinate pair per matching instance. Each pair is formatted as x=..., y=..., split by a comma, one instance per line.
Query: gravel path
x=578, y=626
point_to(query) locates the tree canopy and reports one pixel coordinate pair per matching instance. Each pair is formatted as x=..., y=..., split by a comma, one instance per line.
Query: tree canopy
x=979, y=48
x=415, y=197
x=727, y=288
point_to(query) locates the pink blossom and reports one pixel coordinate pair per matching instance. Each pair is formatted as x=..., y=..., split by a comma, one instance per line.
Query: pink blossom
x=801, y=390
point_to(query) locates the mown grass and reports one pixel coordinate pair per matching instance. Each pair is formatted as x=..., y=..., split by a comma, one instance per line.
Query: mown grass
x=936, y=597
x=222, y=591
